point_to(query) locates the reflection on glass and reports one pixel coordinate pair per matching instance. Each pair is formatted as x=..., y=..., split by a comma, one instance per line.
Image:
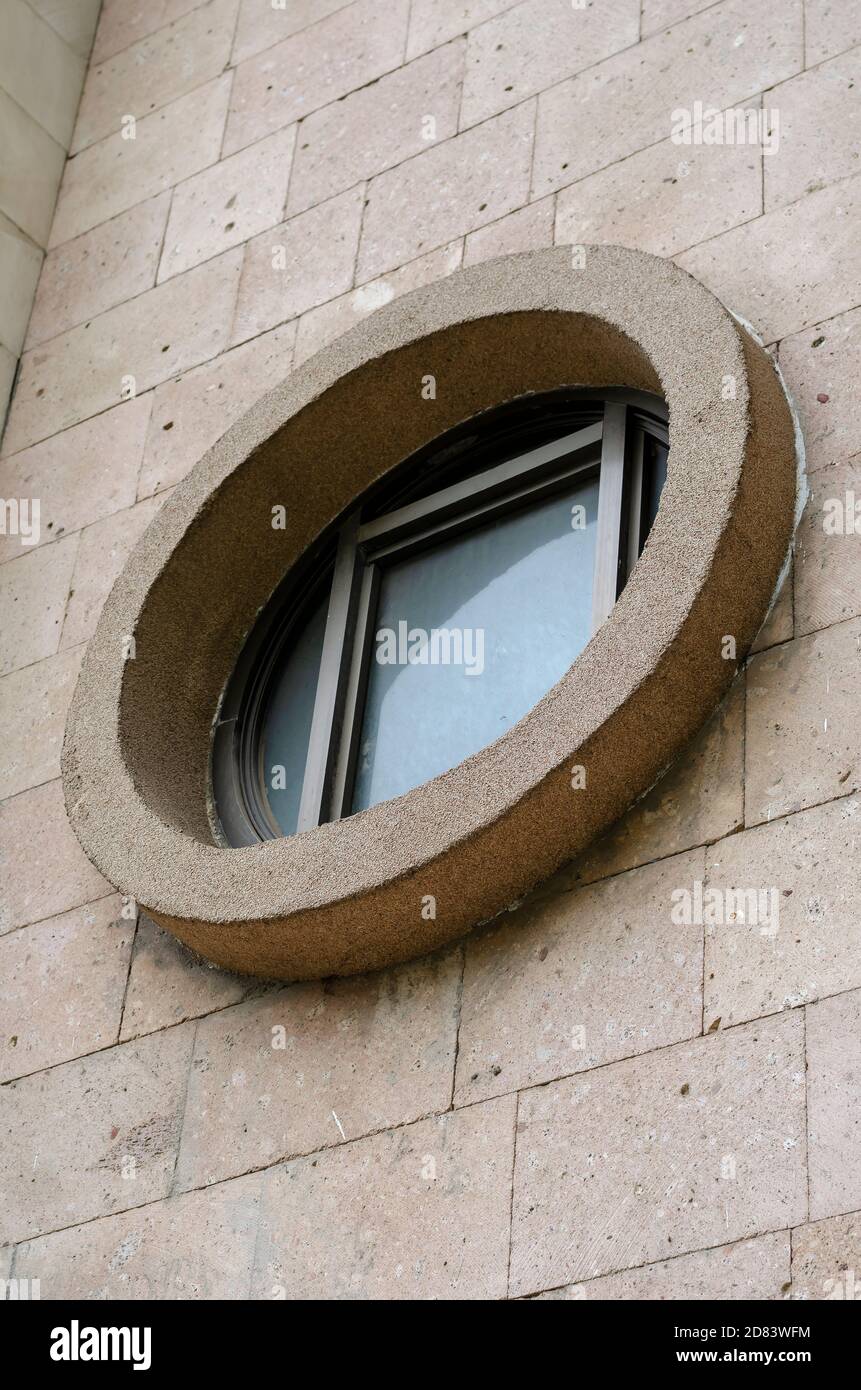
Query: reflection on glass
x=284, y=746
x=469, y=635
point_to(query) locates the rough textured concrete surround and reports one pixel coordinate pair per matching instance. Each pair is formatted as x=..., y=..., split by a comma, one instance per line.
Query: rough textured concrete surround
x=347, y=896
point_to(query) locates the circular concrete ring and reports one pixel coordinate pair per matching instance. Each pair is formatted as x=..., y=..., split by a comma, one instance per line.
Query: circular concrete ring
x=349, y=896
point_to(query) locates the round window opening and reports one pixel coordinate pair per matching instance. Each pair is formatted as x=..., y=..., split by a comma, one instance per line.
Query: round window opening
x=448, y=670
x=434, y=615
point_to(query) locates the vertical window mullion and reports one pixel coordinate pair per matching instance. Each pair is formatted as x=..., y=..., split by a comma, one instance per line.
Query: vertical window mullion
x=356, y=680
x=610, y=494
x=331, y=678
x=638, y=483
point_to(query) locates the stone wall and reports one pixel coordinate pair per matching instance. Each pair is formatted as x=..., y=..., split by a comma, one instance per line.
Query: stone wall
x=44, y=46
x=585, y=1099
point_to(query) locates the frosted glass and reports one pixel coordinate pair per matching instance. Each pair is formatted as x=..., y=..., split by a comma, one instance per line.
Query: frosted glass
x=288, y=720
x=519, y=593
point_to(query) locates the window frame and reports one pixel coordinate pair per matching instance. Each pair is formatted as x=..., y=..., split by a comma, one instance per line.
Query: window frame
x=611, y=447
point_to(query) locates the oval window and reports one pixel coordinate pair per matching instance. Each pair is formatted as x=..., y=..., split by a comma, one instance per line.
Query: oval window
x=439, y=611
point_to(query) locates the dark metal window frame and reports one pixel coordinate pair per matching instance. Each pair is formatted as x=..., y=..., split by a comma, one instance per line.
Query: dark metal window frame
x=611, y=448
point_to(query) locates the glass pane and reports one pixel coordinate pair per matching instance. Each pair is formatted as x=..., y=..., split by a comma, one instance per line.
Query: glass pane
x=654, y=477
x=287, y=729
x=469, y=635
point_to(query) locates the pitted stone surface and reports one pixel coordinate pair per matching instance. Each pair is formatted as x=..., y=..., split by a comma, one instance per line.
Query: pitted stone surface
x=347, y=896
x=369, y=1217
